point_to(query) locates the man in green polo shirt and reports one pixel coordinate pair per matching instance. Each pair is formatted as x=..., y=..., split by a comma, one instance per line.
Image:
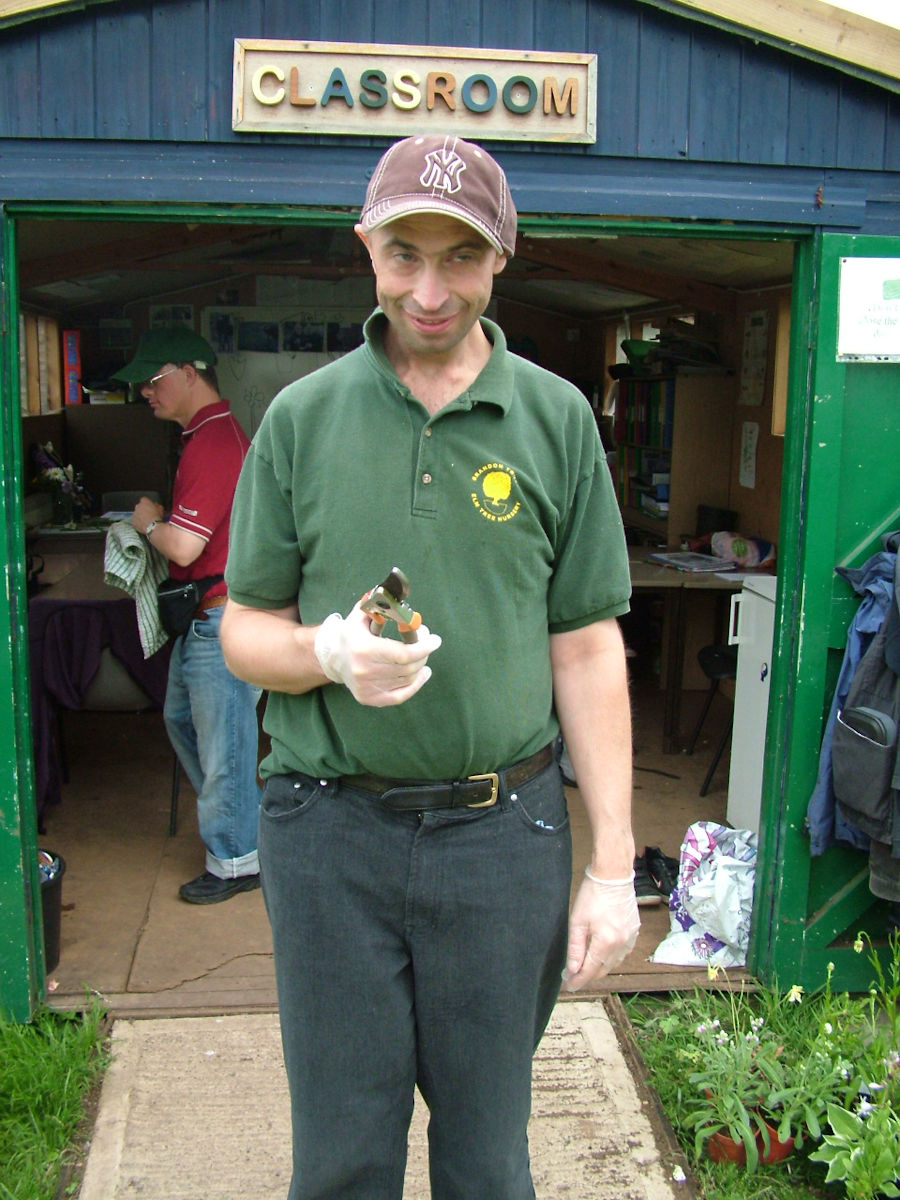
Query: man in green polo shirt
x=414, y=842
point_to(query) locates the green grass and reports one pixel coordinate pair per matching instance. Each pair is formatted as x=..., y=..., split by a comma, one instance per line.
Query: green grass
x=858, y=1033
x=47, y=1070
x=665, y=1027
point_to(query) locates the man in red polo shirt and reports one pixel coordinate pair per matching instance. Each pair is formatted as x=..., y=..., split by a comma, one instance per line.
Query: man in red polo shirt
x=210, y=715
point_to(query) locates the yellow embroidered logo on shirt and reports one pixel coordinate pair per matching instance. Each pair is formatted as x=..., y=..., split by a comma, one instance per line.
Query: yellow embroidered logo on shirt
x=494, y=492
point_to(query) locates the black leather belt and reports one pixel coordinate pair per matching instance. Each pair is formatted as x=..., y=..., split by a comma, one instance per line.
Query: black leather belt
x=478, y=791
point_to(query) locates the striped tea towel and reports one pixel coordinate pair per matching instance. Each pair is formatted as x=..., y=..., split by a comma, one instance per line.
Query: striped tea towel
x=132, y=564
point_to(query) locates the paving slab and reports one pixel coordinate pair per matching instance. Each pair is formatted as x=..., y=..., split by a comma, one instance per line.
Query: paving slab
x=196, y=1108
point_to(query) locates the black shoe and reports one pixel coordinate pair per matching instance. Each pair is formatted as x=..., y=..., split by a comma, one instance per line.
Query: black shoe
x=644, y=887
x=210, y=889
x=662, y=869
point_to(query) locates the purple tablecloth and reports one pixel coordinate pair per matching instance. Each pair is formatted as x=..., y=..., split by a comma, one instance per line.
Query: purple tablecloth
x=65, y=640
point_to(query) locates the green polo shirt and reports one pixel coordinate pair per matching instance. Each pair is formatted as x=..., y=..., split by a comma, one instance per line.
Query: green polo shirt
x=500, y=510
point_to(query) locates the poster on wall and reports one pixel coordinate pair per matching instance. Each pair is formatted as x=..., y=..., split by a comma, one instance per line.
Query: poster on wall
x=754, y=357
x=262, y=349
x=749, y=442
x=869, y=310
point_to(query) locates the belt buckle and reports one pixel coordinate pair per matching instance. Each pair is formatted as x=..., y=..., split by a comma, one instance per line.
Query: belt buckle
x=495, y=789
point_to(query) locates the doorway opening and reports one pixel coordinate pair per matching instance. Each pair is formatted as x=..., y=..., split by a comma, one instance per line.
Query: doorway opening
x=277, y=300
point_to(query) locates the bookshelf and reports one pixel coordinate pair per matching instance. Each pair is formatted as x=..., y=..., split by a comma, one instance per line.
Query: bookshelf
x=40, y=364
x=673, y=450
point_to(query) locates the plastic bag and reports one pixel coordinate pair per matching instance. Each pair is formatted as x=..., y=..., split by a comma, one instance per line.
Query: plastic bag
x=745, y=551
x=711, y=904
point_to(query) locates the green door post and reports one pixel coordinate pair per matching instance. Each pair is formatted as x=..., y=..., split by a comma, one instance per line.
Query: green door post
x=840, y=495
x=21, y=940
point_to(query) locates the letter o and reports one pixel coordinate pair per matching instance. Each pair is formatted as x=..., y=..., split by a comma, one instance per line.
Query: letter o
x=509, y=100
x=479, y=106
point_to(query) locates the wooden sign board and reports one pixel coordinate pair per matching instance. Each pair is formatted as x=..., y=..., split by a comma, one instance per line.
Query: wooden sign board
x=396, y=91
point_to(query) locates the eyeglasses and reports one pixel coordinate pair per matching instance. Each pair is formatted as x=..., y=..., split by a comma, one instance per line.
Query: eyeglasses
x=154, y=379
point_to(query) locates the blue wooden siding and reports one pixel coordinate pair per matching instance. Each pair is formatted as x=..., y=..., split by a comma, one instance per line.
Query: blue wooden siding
x=668, y=87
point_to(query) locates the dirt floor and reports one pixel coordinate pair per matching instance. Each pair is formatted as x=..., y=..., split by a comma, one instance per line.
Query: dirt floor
x=125, y=935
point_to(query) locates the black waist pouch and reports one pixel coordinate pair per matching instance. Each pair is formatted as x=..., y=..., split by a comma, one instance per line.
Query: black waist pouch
x=178, y=599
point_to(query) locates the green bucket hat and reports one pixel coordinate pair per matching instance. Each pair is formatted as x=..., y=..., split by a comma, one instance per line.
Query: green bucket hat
x=160, y=346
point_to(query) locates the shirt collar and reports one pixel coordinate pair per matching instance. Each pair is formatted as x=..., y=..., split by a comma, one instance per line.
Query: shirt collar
x=493, y=385
x=209, y=412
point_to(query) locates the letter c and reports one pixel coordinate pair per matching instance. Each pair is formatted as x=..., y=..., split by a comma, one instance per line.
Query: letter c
x=259, y=95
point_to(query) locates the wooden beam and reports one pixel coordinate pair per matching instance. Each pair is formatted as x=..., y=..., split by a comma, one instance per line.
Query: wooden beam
x=826, y=29
x=126, y=253
x=604, y=268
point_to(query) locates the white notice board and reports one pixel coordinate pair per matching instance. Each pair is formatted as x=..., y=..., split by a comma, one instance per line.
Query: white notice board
x=869, y=310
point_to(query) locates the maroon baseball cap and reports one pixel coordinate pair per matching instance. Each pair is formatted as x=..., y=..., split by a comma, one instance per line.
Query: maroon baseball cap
x=435, y=173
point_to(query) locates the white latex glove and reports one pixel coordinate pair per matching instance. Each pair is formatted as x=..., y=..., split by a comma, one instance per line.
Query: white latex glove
x=378, y=671
x=603, y=928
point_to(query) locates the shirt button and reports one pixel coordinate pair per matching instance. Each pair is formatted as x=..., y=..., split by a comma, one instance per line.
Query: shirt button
x=426, y=478
x=428, y=432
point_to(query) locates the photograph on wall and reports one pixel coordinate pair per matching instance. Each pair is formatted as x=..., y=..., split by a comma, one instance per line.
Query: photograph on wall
x=259, y=336
x=221, y=327
x=303, y=336
x=116, y=333
x=344, y=336
x=172, y=314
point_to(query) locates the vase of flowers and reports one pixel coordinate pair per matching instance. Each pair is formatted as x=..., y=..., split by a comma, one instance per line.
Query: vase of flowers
x=63, y=507
x=68, y=495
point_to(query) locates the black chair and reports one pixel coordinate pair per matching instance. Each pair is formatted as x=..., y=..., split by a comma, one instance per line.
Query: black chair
x=717, y=663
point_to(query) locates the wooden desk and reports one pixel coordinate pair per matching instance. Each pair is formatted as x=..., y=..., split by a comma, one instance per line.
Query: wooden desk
x=676, y=588
x=70, y=624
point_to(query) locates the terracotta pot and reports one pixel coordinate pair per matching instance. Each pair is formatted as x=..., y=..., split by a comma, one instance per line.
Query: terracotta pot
x=777, y=1150
x=722, y=1148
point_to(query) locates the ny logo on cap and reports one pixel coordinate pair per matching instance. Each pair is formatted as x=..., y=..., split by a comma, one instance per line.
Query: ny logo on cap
x=442, y=171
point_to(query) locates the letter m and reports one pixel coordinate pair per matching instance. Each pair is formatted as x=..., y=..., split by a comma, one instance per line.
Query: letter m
x=553, y=99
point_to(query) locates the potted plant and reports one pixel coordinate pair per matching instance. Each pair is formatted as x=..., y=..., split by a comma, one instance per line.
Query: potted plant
x=739, y=1068
x=812, y=1083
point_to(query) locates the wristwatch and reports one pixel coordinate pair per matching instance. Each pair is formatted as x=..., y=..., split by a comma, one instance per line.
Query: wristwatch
x=153, y=524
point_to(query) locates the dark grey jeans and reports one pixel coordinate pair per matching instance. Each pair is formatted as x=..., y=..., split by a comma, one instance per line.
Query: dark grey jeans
x=413, y=949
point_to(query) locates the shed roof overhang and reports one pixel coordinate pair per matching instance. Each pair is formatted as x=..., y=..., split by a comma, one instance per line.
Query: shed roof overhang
x=813, y=29
x=824, y=33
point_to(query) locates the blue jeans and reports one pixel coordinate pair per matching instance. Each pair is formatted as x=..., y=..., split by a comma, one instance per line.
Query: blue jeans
x=211, y=721
x=413, y=949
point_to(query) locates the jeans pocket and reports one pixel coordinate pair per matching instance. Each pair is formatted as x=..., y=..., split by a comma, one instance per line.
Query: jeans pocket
x=541, y=803
x=205, y=630
x=286, y=796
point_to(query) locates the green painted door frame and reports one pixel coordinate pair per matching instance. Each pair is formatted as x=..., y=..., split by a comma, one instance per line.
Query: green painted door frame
x=839, y=439
x=841, y=491
x=21, y=940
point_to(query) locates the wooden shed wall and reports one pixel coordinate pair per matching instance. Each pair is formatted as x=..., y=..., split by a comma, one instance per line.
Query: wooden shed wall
x=668, y=87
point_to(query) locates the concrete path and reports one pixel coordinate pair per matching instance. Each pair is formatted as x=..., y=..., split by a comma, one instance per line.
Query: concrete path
x=196, y=1108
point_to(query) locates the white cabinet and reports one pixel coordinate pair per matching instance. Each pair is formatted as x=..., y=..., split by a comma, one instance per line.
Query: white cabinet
x=751, y=630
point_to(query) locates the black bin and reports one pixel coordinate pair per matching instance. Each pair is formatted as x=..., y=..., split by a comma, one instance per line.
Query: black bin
x=52, y=868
